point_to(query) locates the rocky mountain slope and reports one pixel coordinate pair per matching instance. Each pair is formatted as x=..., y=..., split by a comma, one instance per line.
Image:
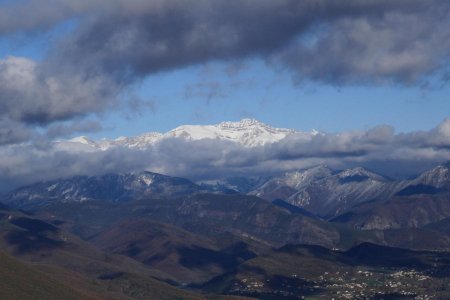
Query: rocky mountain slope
x=210, y=215
x=412, y=211
x=189, y=258
x=367, y=196
x=109, y=187
x=325, y=192
x=422, y=201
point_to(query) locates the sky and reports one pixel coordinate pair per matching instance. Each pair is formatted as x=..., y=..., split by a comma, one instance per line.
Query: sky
x=208, y=95
x=121, y=68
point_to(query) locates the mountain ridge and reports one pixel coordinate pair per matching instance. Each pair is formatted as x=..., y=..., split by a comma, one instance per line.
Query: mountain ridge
x=319, y=189
x=246, y=132
x=108, y=187
x=326, y=192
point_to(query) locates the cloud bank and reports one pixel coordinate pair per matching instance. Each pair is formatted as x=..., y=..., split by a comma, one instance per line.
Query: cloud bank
x=379, y=148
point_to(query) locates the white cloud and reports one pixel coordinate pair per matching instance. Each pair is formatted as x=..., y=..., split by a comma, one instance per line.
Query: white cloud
x=378, y=148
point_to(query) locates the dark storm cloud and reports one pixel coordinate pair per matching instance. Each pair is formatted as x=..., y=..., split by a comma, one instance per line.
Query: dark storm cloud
x=146, y=37
x=37, y=15
x=33, y=94
x=12, y=132
x=399, y=46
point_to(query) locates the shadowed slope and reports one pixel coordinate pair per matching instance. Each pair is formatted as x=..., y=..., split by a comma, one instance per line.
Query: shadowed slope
x=19, y=281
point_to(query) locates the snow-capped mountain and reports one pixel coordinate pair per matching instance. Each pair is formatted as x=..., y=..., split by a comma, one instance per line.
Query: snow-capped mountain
x=329, y=193
x=109, y=188
x=325, y=192
x=242, y=185
x=247, y=132
x=421, y=201
x=434, y=181
x=438, y=177
x=319, y=190
x=289, y=183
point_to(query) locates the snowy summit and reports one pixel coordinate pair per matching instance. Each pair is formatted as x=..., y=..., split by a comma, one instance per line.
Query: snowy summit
x=247, y=132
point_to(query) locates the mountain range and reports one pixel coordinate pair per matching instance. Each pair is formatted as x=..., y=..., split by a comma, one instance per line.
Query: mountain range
x=356, y=198
x=108, y=187
x=326, y=192
x=319, y=190
x=246, y=132
x=314, y=232
x=230, y=244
